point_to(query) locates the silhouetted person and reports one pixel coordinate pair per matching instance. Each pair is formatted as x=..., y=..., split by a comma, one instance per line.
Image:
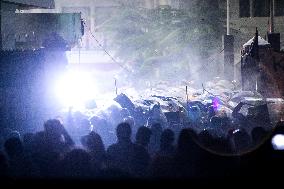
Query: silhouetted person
x=163, y=162
x=155, y=139
x=14, y=134
x=239, y=117
x=205, y=138
x=20, y=165
x=194, y=113
x=240, y=141
x=167, y=143
x=156, y=116
x=277, y=155
x=225, y=125
x=57, y=137
x=130, y=120
x=125, y=155
x=216, y=126
x=45, y=155
x=255, y=162
x=120, y=154
x=259, y=135
x=143, y=136
x=77, y=164
x=3, y=166
x=96, y=148
x=104, y=129
x=189, y=155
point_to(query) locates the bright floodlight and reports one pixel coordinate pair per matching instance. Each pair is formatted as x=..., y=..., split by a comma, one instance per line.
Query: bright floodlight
x=278, y=142
x=74, y=89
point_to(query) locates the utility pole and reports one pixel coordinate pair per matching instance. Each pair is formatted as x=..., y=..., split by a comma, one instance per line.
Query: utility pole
x=271, y=28
x=228, y=46
x=251, y=9
x=228, y=17
x=273, y=38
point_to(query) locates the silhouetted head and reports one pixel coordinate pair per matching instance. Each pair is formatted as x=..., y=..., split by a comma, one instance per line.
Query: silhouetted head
x=53, y=127
x=13, y=147
x=94, y=142
x=143, y=136
x=130, y=120
x=186, y=142
x=205, y=138
x=123, y=132
x=258, y=135
x=215, y=121
x=241, y=140
x=156, y=128
x=194, y=109
x=167, y=137
x=14, y=134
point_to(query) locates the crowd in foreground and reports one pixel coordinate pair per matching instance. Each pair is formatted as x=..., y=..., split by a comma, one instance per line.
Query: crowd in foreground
x=153, y=153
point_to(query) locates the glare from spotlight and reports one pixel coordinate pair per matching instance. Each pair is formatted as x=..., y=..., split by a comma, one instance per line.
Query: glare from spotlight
x=74, y=89
x=278, y=142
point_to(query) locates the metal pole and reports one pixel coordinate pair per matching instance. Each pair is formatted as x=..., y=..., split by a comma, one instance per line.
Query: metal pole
x=271, y=29
x=251, y=10
x=228, y=17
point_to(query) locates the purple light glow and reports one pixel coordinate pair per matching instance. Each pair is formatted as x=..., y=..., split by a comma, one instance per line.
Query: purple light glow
x=216, y=103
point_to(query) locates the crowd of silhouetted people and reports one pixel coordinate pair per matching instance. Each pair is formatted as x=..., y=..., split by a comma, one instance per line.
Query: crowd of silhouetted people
x=153, y=153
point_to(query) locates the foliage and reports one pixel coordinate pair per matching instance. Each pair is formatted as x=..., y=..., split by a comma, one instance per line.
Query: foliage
x=165, y=37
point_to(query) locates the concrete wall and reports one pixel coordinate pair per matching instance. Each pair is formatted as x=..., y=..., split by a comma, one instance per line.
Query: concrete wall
x=28, y=31
x=93, y=12
x=23, y=28
x=7, y=10
x=244, y=28
x=19, y=28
